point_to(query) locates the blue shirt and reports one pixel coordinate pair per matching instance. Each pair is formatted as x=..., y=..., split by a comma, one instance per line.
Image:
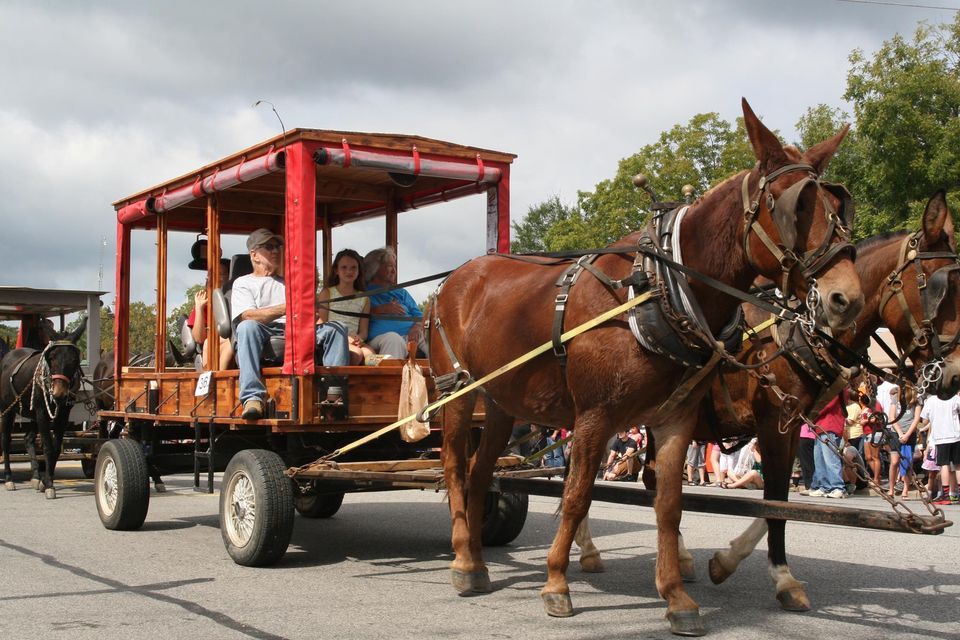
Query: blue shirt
x=379, y=326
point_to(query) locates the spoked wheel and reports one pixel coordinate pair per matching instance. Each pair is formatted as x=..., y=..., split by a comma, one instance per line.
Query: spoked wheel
x=256, y=508
x=504, y=515
x=122, y=485
x=317, y=505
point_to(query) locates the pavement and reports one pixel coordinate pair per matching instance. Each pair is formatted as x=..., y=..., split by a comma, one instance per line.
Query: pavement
x=379, y=570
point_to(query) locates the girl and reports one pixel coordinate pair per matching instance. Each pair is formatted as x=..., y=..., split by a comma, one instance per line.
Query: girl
x=872, y=435
x=346, y=279
x=901, y=453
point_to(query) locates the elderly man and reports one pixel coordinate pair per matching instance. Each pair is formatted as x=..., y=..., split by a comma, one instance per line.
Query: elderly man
x=259, y=311
x=385, y=335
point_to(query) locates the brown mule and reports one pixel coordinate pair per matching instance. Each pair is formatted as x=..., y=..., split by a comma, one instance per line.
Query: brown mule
x=494, y=309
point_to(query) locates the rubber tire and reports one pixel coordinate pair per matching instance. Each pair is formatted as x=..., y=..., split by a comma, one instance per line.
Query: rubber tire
x=273, y=493
x=89, y=468
x=504, y=515
x=318, y=505
x=133, y=484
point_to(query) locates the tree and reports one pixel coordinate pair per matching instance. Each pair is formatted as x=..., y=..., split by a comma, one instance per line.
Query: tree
x=906, y=100
x=539, y=228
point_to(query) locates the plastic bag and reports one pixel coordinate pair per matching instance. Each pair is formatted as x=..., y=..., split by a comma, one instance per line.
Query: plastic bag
x=413, y=398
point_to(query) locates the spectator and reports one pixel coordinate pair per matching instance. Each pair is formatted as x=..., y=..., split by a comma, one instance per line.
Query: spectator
x=696, y=459
x=554, y=457
x=872, y=420
x=747, y=473
x=853, y=429
x=887, y=397
x=901, y=452
x=828, y=466
x=197, y=321
x=259, y=312
x=346, y=279
x=390, y=335
x=622, y=463
x=806, y=458
x=944, y=419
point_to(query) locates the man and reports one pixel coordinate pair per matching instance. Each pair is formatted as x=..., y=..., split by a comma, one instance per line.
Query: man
x=887, y=395
x=622, y=463
x=390, y=336
x=943, y=416
x=827, y=465
x=259, y=311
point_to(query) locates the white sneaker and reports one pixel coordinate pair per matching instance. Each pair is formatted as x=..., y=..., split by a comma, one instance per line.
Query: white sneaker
x=837, y=493
x=817, y=493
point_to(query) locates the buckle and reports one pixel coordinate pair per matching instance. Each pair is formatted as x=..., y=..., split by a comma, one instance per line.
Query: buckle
x=921, y=280
x=562, y=299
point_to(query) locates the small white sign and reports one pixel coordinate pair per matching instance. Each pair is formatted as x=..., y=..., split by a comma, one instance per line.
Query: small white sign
x=203, y=384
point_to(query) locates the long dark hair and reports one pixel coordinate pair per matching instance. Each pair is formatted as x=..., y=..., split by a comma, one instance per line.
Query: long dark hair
x=333, y=279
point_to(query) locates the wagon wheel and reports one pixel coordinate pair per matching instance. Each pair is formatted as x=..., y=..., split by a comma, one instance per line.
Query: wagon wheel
x=89, y=467
x=122, y=485
x=256, y=508
x=504, y=515
x=317, y=505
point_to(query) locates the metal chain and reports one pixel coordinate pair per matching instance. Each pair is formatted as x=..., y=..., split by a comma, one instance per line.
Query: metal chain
x=902, y=511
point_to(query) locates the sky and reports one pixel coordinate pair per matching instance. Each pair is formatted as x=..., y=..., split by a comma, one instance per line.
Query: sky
x=101, y=99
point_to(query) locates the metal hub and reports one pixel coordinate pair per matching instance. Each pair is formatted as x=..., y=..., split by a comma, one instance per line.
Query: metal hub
x=109, y=488
x=242, y=509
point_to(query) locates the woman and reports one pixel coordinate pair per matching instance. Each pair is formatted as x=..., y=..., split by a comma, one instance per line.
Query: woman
x=748, y=472
x=873, y=434
x=901, y=452
x=346, y=279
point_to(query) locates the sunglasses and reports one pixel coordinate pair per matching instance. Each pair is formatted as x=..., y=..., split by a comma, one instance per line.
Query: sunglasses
x=270, y=246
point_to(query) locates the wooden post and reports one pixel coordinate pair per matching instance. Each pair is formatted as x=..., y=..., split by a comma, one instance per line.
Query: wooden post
x=391, y=222
x=93, y=333
x=300, y=226
x=327, y=241
x=213, y=271
x=121, y=304
x=160, y=345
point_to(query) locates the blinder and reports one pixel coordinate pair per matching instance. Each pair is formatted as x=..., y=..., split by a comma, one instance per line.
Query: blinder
x=847, y=208
x=936, y=289
x=785, y=212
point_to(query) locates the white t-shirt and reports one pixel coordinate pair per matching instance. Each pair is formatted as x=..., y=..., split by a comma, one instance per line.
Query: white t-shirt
x=944, y=417
x=887, y=397
x=257, y=292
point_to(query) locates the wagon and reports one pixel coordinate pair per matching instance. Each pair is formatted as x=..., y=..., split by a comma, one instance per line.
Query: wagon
x=27, y=306
x=302, y=185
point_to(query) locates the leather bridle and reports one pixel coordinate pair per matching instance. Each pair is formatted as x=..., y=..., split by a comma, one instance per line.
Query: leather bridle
x=783, y=212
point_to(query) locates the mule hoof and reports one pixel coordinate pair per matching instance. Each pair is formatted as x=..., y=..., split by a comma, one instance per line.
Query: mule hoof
x=470, y=583
x=592, y=564
x=794, y=600
x=50, y=493
x=558, y=605
x=9, y=485
x=688, y=571
x=717, y=573
x=160, y=487
x=35, y=484
x=686, y=623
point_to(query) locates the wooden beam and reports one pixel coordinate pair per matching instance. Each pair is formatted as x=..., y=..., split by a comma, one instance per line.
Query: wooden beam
x=160, y=348
x=213, y=271
x=391, y=223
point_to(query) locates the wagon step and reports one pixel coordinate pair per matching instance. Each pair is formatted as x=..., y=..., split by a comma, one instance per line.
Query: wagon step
x=733, y=506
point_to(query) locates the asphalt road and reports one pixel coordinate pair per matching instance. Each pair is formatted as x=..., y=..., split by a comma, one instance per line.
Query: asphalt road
x=378, y=570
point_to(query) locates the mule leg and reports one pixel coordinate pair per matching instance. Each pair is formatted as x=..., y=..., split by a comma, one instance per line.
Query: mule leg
x=497, y=429
x=468, y=576
x=592, y=429
x=724, y=563
x=30, y=444
x=777, y=452
x=682, y=610
x=6, y=426
x=590, y=560
x=50, y=455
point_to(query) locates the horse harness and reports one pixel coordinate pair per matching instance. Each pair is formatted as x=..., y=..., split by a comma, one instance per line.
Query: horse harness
x=933, y=291
x=41, y=379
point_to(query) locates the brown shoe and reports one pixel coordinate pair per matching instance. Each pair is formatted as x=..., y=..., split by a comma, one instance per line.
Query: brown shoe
x=252, y=409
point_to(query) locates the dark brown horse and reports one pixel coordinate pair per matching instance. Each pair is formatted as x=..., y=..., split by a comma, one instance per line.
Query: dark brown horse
x=757, y=410
x=495, y=309
x=36, y=385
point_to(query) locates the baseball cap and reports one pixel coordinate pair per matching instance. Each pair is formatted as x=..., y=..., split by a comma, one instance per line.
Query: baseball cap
x=261, y=237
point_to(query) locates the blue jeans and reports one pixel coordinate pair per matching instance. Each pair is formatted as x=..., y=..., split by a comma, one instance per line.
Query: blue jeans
x=252, y=335
x=827, y=465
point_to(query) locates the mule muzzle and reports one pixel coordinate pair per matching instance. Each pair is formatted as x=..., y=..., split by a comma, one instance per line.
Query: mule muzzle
x=60, y=386
x=949, y=383
x=840, y=309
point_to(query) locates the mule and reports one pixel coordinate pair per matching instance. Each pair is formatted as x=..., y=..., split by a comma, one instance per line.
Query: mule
x=884, y=266
x=36, y=385
x=493, y=309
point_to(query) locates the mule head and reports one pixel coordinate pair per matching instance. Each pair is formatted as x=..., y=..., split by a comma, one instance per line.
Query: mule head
x=796, y=227
x=929, y=283
x=63, y=360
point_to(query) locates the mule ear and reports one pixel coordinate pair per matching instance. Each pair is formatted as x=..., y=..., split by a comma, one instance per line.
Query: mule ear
x=74, y=335
x=937, y=219
x=766, y=146
x=820, y=154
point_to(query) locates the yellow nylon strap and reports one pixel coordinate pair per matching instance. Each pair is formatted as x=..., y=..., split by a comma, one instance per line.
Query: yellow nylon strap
x=749, y=333
x=513, y=364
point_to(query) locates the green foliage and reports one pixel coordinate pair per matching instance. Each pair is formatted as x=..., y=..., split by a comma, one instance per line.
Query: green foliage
x=106, y=330
x=906, y=100
x=545, y=227
x=178, y=313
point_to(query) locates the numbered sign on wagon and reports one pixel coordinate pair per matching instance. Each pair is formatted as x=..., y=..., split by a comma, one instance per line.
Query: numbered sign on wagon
x=203, y=384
